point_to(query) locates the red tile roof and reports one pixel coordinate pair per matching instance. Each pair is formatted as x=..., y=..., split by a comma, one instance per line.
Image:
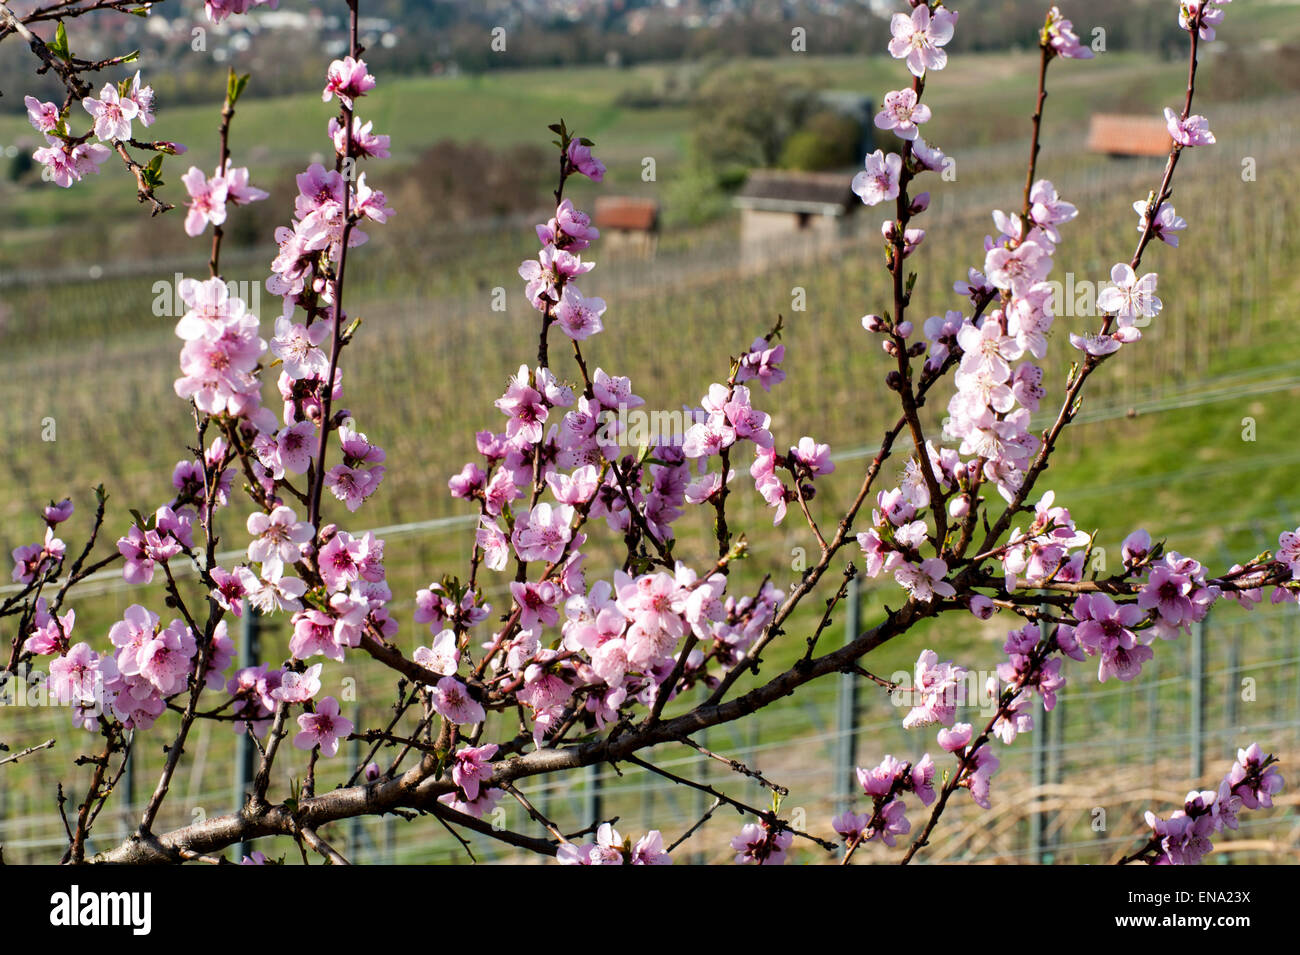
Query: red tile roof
x=628, y=213
x=1128, y=135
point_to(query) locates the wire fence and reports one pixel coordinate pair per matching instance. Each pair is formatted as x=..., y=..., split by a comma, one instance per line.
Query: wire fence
x=1070, y=791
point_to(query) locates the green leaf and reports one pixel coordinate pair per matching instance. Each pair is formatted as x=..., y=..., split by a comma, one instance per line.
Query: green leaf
x=59, y=47
x=235, y=86
x=153, y=171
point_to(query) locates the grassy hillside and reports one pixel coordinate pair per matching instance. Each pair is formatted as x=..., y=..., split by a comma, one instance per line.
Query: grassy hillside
x=1161, y=445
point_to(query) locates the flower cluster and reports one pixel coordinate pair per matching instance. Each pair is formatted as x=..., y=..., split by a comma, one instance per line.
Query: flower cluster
x=69, y=158
x=1184, y=838
x=610, y=848
x=885, y=784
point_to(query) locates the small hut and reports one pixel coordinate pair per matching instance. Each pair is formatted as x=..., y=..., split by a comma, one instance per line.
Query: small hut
x=628, y=224
x=1118, y=135
x=780, y=207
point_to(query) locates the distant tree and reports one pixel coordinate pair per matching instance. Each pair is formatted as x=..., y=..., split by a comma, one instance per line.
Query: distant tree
x=829, y=140
x=743, y=116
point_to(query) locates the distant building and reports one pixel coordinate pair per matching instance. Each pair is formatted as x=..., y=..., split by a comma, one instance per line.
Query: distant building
x=628, y=223
x=1117, y=135
x=779, y=207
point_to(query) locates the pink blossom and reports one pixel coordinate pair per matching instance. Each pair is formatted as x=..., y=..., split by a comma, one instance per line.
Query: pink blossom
x=451, y=700
x=66, y=164
x=1130, y=297
x=578, y=316
x=33, y=560
x=207, y=200
x=649, y=850
x=232, y=586
x=313, y=633
x=978, y=779
x=278, y=539
x=936, y=692
x=57, y=513
x=473, y=765
x=543, y=532
x=485, y=803
x=955, y=738
x=583, y=161
x=850, y=825
x=323, y=728
x=365, y=143
x=470, y=480
x=1288, y=551
x=1016, y=269
x=576, y=488
x=295, y=687
x=902, y=113
x=813, y=456
x=49, y=634
x=918, y=38
x=1192, y=131
x=1167, y=222
x=43, y=116
x=353, y=485
x=278, y=593
x=1253, y=779
x=496, y=549
x=760, y=363
x=112, y=114
x=757, y=844
x=1063, y=40
x=164, y=659
x=142, y=96
x=1096, y=345
x=1206, y=12
x=537, y=603
x=926, y=581
x=347, y=78
x=879, y=181
x=442, y=657
x=79, y=675
x=568, y=228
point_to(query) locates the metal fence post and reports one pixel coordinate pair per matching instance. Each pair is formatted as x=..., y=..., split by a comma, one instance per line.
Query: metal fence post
x=1038, y=820
x=591, y=803
x=249, y=651
x=128, y=787
x=354, y=829
x=847, y=716
x=1198, y=699
x=1232, y=714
